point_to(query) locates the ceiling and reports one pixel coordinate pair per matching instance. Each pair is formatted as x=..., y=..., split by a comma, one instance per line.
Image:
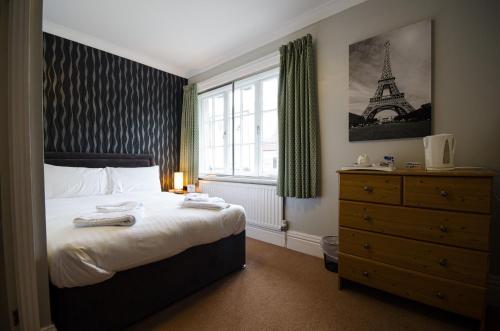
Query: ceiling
x=183, y=37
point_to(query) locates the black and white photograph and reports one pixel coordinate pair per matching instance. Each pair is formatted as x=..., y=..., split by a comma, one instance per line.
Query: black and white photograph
x=390, y=85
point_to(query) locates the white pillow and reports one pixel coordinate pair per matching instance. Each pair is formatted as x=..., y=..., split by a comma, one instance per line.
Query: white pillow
x=66, y=182
x=142, y=179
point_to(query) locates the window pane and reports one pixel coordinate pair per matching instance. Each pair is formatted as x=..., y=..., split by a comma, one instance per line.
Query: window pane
x=208, y=164
x=246, y=126
x=219, y=133
x=245, y=158
x=228, y=134
x=244, y=131
x=209, y=111
x=237, y=158
x=245, y=166
x=270, y=163
x=270, y=126
x=237, y=100
x=270, y=94
x=248, y=98
x=268, y=151
x=208, y=134
x=237, y=130
x=219, y=106
x=215, y=148
x=219, y=159
x=248, y=129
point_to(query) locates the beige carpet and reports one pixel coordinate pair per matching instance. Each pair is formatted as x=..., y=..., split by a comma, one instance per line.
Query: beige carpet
x=284, y=290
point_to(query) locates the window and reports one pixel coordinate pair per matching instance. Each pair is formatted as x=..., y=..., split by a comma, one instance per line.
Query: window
x=215, y=132
x=250, y=117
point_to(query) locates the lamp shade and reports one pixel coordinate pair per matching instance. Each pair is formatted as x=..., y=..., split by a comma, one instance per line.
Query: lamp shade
x=178, y=180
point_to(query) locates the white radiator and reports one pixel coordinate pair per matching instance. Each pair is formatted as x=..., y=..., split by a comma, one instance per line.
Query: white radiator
x=263, y=208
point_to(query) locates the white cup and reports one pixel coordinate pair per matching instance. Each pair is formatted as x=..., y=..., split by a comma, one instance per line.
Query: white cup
x=363, y=160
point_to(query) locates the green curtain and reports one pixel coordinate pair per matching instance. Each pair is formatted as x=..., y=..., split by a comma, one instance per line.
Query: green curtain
x=189, y=135
x=297, y=121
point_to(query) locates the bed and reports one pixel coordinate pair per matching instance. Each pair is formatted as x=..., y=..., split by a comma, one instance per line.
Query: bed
x=108, y=278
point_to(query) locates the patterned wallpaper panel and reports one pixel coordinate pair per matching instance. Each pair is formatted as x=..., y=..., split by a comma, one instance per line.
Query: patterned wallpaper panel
x=101, y=103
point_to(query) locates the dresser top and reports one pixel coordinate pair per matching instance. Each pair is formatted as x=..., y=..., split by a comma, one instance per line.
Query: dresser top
x=461, y=172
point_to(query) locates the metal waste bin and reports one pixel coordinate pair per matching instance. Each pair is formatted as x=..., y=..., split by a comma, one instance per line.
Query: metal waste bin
x=329, y=244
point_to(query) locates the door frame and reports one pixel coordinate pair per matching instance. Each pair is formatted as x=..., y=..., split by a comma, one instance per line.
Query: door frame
x=27, y=203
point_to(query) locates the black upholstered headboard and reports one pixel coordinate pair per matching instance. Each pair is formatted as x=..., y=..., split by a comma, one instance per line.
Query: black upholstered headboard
x=95, y=160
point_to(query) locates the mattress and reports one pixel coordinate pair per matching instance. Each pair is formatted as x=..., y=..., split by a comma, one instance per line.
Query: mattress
x=86, y=256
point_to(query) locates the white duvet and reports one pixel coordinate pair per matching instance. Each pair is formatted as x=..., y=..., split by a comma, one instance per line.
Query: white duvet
x=86, y=256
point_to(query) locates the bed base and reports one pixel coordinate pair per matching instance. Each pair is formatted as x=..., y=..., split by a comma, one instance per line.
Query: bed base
x=133, y=294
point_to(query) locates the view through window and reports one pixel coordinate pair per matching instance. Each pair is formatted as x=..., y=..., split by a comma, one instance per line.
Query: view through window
x=239, y=134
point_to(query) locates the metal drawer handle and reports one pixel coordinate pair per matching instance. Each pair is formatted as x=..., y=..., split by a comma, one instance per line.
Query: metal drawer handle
x=367, y=188
x=366, y=274
x=440, y=295
x=443, y=262
x=444, y=194
x=443, y=228
x=366, y=246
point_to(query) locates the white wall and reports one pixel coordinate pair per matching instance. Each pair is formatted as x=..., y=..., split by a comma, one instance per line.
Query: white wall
x=466, y=91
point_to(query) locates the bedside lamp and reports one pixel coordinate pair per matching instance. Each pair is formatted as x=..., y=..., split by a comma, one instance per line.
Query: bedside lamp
x=178, y=181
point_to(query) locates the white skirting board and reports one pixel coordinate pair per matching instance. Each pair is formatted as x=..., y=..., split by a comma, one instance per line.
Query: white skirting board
x=274, y=237
x=297, y=241
x=304, y=243
x=494, y=290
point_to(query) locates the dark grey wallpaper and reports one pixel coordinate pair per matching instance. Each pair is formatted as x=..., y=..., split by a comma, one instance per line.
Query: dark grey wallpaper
x=102, y=103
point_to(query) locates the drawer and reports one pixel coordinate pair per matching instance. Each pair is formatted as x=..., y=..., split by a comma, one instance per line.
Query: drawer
x=453, y=193
x=443, y=227
x=468, y=300
x=371, y=188
x=459, y=264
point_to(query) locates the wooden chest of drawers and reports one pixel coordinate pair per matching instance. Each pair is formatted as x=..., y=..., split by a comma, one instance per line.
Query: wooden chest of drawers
x=417, y=234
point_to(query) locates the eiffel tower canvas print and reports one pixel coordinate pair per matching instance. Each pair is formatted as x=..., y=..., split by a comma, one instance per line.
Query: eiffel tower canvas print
x=390, y=85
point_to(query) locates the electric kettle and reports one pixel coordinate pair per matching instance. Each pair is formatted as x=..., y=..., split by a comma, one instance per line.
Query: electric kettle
x=439, y=152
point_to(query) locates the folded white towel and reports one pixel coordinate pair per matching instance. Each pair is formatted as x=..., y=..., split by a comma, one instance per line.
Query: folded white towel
x=119, y=207
x=202, y=201
x=205, y=205
x=125, y=218
x=201, y=197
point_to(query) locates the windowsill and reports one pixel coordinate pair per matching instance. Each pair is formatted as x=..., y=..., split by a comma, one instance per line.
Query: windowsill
x=236, y=179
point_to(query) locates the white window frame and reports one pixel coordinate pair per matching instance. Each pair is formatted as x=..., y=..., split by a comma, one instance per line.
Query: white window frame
x=265, y=63
x=256, y=78
x=227, y=124
x=258, y=112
